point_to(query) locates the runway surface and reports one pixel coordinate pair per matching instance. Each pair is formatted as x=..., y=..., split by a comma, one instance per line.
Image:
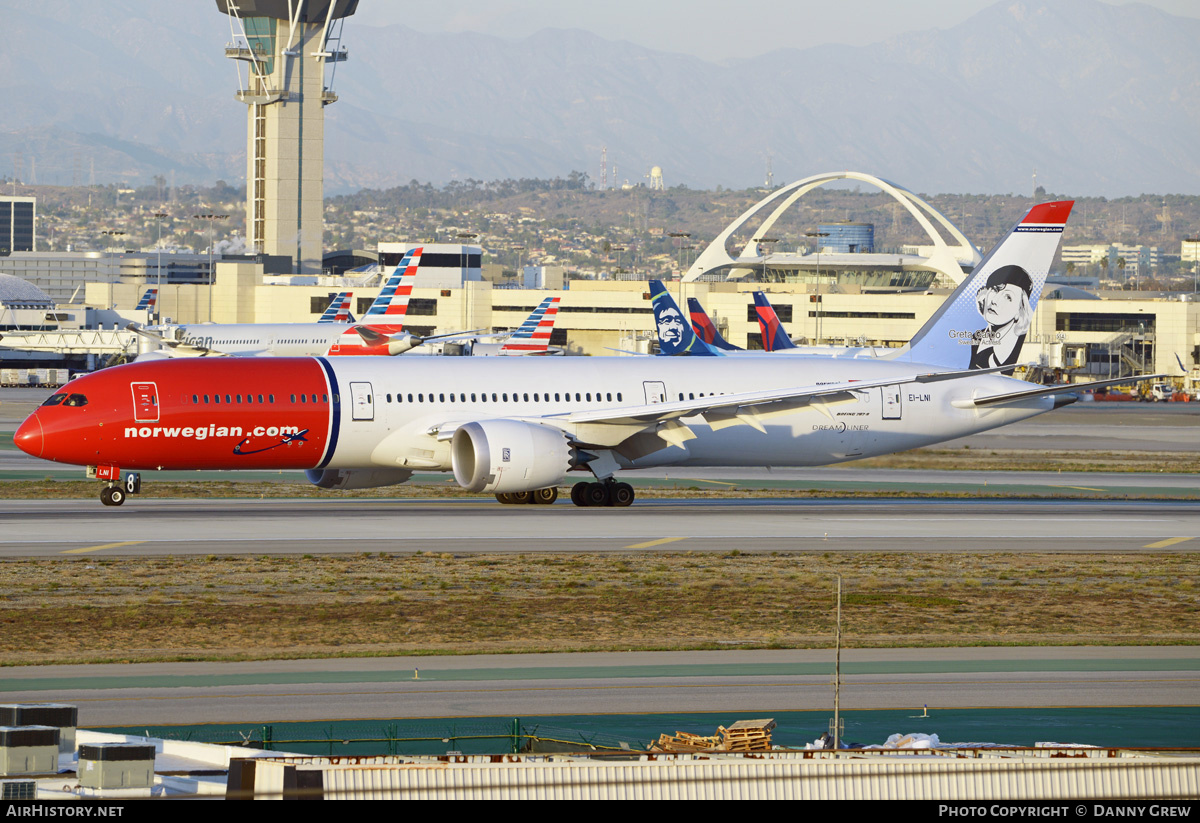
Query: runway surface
x=170, y=527
x=601, y=683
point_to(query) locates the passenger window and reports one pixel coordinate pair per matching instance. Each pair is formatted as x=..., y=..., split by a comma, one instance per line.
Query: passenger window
x=556, y=397
x=206, y=399
x=410, y=398
x=216, y=398
x=313, y=397
x=609, y=397
x=526, y=397
x=618, y=397
x=472, y=397
x=293, y=398
x=195, y=400
x=260, y=398
x=271, y=398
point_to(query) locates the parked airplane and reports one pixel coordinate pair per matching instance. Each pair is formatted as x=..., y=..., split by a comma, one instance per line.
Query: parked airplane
x=380, y=331
x=770, y=326
x=532, y=337
x=519, y=427
x=339, y=309
x=148, y=300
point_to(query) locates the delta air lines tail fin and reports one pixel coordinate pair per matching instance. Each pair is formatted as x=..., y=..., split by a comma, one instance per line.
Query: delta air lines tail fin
x=533, y=336
x=675, y=335
x=773, y=336
x=983, y=324
x=704, y=327
x=392, y=303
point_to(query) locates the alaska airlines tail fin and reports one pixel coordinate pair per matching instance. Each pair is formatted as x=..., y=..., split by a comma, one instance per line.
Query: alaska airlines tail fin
x=675, y=336
x=339, y=309
x=773, y=336
x=149, y=299
x=984, y=322
x=704, y=327
x=533, y=336
x=392, y=303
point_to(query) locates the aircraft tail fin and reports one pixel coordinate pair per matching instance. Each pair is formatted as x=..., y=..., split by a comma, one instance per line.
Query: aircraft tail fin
x=392, y=303
x=339, y=309
x=675, y=335
x=533, y=336
x=148, y=301
x=774, y=338
x=983, y=324
x=704, y=327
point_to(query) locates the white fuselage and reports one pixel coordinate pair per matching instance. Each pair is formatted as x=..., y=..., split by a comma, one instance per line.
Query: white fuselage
x=410, y=399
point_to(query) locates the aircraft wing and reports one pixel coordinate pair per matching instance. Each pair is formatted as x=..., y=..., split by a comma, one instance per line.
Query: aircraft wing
x=743, y=407
x=1040, y=391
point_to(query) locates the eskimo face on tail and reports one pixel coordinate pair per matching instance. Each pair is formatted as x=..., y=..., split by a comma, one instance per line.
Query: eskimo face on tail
x=1004, y=302
x=670, y=326
x=1002, y=291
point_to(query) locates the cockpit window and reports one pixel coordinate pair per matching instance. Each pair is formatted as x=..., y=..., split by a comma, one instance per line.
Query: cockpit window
x=66, y=399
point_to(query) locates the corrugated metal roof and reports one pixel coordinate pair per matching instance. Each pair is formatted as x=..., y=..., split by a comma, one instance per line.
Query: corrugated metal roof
x=1007, y=776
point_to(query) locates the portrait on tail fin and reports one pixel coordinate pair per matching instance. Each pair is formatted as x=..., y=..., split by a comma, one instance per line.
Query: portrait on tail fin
x=1004, y=303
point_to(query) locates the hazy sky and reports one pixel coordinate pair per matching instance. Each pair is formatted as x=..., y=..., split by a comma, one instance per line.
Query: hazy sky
x=713, y=29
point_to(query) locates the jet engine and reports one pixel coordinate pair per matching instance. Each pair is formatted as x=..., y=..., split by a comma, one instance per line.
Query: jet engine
x=356, y=478
x=509, y=456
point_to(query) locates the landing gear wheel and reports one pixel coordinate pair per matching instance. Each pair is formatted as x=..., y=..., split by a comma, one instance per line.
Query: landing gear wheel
x=578, y=494
x=504, y=497
x=596, y=494
x=545, y=496
x=522, y=497
x=112, y=495
x=621, y=494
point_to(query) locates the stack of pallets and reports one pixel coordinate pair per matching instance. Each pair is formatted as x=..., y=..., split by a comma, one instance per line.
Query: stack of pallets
x=742, y=736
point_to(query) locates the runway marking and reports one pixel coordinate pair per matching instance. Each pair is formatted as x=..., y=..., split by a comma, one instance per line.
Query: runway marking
x=1083, y=488
x=658, y=542
x=717, y=482
x=1170, y=541
x=104, y=546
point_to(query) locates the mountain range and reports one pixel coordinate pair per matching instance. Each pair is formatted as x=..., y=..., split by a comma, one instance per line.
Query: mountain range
x=1098, y=99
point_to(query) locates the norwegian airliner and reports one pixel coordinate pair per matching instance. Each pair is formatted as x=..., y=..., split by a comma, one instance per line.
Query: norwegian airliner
x=518, y=427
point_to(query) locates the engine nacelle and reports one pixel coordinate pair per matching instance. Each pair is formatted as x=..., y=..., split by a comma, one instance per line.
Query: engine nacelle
x=509, y=456
x=356, y=478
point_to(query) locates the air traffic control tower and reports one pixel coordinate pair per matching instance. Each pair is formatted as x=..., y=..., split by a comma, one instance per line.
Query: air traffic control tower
x=285, y=47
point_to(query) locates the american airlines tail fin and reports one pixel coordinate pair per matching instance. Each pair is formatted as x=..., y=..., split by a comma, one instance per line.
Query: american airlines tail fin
x=149, y=299
x=339, y=309
x=704, y=327
x=533, y=336
x=392, y=303
x=983, y=324
x=675, y=336
x=773, y=336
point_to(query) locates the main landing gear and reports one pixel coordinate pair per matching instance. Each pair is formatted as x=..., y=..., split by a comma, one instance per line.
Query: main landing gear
x=602, y=493
x=540, y=496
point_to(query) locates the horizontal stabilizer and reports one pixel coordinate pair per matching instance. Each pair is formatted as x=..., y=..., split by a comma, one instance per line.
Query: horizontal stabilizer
x=1040, y=391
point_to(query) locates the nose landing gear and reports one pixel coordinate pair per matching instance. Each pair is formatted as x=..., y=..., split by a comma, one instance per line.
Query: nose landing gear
x=116, y=489
x=602, y=493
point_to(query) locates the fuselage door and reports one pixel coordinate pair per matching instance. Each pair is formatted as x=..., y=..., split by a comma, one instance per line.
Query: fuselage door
x=361, y=402
x=656, y=392
x=891, y=403
x=145, y=402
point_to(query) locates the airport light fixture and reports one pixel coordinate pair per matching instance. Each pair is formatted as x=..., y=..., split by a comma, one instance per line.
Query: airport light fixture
x=760, y=241
x=159, y=216
x=818, y=234
x=211, y=219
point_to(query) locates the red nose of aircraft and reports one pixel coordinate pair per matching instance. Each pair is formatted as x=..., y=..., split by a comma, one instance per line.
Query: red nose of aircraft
x=28, y=436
